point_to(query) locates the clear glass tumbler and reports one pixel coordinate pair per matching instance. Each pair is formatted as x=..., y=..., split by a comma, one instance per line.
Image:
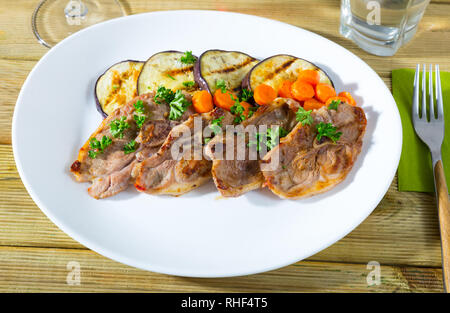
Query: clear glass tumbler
x=380, y=27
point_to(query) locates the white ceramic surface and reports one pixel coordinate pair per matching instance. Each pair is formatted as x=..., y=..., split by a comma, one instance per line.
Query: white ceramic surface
x=197, y=234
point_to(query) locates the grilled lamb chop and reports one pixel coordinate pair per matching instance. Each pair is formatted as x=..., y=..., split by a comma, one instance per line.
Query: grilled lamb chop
x=308, y=166
x=237, y=174
x=110, y=171
x=165, y=173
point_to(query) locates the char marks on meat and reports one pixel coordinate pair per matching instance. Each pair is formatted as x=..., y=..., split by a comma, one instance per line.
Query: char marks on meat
x=165, y=173
x=111, y=171
x=239, y=174
x=306, y=166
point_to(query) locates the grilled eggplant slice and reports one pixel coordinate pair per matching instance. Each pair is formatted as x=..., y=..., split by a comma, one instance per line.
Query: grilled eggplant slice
x=165, y=69
x=117, y=86
x=230, y=66
x=278, y=68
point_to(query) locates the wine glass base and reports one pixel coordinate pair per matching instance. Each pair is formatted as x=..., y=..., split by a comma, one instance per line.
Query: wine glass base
x=54, y=20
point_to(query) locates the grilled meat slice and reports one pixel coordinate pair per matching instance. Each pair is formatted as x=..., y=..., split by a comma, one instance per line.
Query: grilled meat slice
x=307, y=166
x=235, y=171
x=110, y=170
x=166, y=173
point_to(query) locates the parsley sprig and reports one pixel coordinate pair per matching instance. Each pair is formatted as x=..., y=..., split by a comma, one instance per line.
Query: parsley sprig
x=303, y=116
x=270, y=139
x=163, y=94
x=139, y=116
x=245, y=94
x=327, y=130
x=178, y=106
x=98, y=146
x=117, y=127
x=188, y=58
x=130, y=147
x=222, y=85
x=334, y=105
x=216, y=128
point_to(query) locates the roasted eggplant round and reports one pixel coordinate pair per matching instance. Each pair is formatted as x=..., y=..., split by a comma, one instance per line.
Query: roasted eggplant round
x=278, y=68
x=230, y=66
x=117, y=86
x=166, y=69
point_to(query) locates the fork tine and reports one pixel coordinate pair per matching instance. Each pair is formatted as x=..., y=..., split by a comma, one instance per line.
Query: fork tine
x=430, y=90
x=415, y=106
x=439, y=101
x=424, y=93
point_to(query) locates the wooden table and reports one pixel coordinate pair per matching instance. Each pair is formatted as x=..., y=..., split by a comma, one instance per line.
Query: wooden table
x=402, y=234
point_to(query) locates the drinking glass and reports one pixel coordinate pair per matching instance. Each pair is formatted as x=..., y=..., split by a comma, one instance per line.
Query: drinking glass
x=54, y=20
x=380, y=27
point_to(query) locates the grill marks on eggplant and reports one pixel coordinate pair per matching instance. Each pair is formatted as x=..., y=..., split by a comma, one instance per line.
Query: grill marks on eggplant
x=233, y=67
x=229, y=66
x=282, y=67
x=307, y=167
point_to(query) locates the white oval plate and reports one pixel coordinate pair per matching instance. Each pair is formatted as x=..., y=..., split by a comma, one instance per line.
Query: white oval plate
x=196, y=234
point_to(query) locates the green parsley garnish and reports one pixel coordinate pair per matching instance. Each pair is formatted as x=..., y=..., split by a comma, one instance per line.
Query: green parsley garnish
x=216, y=128
x=117, y=127
x=140, y=116
x=188, y=58
x=304, y=116
x=115, y=87
x=252, y=111
x=178, y=106
x=270, y=139
x=327, y=130
x=140, y=120
x=189, y=83
x=222, y=85
x=98, y=146
x=171, y=77
x=334, y=105
x=238, y=110
x=130, y=147
x=163, y=94
x=245, y=94
x=139, y=107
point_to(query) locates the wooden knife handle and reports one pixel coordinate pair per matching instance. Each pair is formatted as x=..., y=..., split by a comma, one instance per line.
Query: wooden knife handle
x=444, y=221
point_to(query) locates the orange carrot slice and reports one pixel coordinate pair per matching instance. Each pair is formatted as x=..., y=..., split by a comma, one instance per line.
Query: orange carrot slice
x=331, y=99
x=309, y=76
x=349, y=97
x=202, y=101
x=264, y=94
x=302, y=91
x=324, y=91
x=285, y=89
x=312, y=104
x=223, y=100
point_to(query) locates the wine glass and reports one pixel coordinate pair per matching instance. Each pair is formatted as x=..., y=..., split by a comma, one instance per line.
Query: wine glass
x=54, y=20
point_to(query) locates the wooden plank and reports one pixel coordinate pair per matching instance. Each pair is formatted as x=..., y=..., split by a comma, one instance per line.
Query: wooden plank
x=18, y=42
x=45, y=270
x=402, y=230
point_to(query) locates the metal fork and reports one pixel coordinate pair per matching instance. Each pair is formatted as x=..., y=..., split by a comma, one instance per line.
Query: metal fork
x=431, y=131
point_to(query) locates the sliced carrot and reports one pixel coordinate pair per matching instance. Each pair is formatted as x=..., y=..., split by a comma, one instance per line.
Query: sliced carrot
x=312, y=104
x=264, y=94
x=349, y=97
x=202, y=101
x=331, y=99
x=247, y=107
x=309, y=76
x=285, y=89
x=324, y=91
x=302, y=91
x=223, y=100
